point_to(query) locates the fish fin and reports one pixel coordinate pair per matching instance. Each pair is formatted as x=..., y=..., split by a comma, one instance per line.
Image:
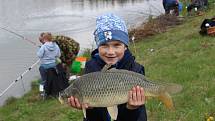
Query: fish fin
x=173, y=88
x=167, y=100
x=113, y=111
x=61, y=100
x=84, y=112
x=106, y=67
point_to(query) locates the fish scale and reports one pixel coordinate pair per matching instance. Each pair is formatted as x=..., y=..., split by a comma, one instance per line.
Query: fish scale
x=111, y=87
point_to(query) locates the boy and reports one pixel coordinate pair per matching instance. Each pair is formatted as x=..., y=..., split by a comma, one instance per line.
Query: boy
x=111, y=37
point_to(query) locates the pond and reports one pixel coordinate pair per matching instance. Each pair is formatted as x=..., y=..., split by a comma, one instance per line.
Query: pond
x=74, y=18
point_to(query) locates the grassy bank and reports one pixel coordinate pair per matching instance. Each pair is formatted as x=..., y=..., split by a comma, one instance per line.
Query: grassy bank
x=182, y=56
x=179, y=55
x=32, y=108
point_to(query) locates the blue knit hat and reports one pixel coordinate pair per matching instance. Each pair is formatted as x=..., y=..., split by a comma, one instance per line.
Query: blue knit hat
x=110, y=27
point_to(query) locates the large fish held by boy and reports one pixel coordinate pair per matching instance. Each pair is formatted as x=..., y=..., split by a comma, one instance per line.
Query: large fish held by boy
x=109, y=88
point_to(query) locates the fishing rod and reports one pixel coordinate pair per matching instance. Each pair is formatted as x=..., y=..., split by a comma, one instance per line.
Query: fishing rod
x=146, y=14
x=20, y=77
x=19, y=35
x=155, y=8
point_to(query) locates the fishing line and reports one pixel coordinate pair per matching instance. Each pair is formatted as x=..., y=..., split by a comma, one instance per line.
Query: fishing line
x=19, y=35
x=135, y=49
x=155, y=8
x=20, y=77
x=23, y=86
x=143, y=13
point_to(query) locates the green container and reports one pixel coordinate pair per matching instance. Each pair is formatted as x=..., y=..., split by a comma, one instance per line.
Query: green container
x=75, y=67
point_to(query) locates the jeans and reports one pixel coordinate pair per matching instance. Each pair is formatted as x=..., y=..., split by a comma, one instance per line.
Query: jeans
x=43, y=75
x=43, y=70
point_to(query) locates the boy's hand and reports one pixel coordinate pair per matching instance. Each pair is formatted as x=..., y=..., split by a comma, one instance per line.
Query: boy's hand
x=74, y=102
x=136, y=98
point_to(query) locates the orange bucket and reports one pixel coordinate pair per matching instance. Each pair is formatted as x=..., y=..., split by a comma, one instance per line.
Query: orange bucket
x=82, y=60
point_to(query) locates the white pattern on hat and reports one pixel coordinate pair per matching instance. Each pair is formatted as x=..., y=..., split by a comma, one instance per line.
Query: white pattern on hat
x=110, y=21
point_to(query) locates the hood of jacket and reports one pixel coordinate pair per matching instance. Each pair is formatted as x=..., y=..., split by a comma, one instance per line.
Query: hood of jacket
x=51, y=46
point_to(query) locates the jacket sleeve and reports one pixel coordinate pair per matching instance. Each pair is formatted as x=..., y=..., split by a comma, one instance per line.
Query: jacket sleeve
x=41, y=51
x=87, y=68
x=138, y=68
x=58, y=53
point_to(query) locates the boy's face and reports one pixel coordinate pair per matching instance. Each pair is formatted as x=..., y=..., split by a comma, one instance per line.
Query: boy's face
x=112, y=52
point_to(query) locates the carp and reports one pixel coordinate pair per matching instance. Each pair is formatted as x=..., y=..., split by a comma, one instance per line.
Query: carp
x=109, y=88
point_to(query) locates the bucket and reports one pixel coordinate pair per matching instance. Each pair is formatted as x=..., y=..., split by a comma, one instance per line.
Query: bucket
x=75, y=67
x=82, y=60
x=211, y=31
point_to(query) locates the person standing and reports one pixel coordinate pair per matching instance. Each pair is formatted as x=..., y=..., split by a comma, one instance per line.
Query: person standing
x=48, y=54
x=171, y=5
x=197, y=5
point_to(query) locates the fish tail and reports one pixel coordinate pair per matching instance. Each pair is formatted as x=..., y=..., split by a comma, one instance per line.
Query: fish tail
x=167, y=100
x=60, y=98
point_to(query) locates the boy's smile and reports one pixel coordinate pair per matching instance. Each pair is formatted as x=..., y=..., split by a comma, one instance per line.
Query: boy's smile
x=111, y=52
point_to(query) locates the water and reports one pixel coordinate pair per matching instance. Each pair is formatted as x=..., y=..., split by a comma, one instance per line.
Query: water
x=73, y=18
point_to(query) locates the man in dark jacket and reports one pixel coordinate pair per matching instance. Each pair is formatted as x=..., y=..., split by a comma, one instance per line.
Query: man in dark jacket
x=111, y=37
x=206, y=24
x=196, y=5
x=171, y=5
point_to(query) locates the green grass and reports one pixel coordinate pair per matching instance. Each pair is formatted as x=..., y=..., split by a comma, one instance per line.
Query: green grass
x=182, y=56
x=32, y=108
x=179, y=55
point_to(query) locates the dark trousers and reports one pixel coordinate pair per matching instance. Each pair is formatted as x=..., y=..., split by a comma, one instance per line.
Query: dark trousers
x=56, y=80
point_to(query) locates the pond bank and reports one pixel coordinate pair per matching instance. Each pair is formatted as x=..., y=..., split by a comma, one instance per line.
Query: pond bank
x=180, y=56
